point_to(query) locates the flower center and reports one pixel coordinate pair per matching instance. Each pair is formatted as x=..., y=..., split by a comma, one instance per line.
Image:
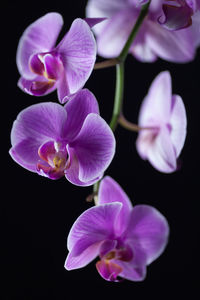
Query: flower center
x=177, y=14
x=109, y=265
x=47, y=65
x=53, y=160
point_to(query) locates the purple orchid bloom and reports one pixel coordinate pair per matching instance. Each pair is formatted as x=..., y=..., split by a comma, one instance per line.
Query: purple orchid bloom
x=164, y=117
x=170, y=31
x=126, y=238
x=66, y=67
x=71, y=140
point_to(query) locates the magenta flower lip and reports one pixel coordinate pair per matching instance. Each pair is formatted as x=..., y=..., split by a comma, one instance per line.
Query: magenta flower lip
x=72, y=140
x=177, y=14
x=125, y=238
x=66, y=67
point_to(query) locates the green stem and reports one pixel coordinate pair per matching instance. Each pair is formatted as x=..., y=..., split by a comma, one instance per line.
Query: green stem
x=119, y=91
x=120, y=68
x=140, y=19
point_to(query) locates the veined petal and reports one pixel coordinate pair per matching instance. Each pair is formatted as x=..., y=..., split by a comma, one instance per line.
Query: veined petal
x=93, y=226
x=74, y=261
x=62, y=88
x=156, y=106
x=38, y=122
x=115, y=33
x=178, y=122
x=103, y=8
x=174, y=46
x=148, y=229
x=25, y=153
x=161, y=153
x=72, y=173
x=82, y=104
x=110, y=191
x=94, y=147
x=40, y=36
x=77, y=51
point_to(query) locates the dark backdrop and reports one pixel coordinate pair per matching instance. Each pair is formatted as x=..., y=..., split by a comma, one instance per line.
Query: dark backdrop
x=38, y=213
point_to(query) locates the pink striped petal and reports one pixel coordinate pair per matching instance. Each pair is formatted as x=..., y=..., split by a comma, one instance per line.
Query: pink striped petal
x=40, y=36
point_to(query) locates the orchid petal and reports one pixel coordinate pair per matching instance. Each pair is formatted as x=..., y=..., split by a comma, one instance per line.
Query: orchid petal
x=174, y=46
x=109, y=43
x=161, y=153
x=178, y=122
x=82, y=104
x=110, y=191
x=94, y=21
x=148, y=229
x=92, y=227
x=39, y=121
x=35, y=125
x=40, y=36
x=75, y=262
x=72, y=173
x=94, y=147
x=25, y=153
x=104, y=8
x=132, y=273
x=156, y=106
x=78, y=64
x=194, y=29
x=62, y=88
x=143, y=52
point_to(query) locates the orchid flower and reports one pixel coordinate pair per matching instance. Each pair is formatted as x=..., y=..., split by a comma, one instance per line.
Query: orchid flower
x=125, y=238
x=72, y=140
x=66, y=67
x=163, y=117
x=169, y=31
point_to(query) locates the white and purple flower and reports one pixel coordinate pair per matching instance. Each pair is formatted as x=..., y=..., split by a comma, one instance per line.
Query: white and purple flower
x=71, y=140
x=164, y=117
x=171, y=30
x=66, y=67
x=126, y=238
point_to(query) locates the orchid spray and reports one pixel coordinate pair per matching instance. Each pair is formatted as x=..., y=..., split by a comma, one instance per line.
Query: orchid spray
x=70, y=139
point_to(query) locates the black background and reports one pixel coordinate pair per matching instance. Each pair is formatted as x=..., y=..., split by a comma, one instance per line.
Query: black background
x=38, y=213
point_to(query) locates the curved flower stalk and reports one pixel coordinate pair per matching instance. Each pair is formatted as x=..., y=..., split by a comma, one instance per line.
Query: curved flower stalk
x=170, y=31
x=126, y=238
x=164, y=117
x=66, y=67
x=71, y=141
